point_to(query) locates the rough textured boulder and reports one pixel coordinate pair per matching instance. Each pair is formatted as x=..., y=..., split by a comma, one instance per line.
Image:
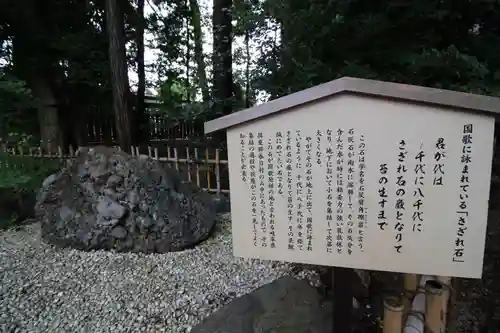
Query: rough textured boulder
x=107, y=199
x=286, y=305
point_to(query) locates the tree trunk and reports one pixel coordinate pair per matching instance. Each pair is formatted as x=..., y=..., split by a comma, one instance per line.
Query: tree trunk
x=48, y=113
x=188, y=54
x=142, y=116
x=222, y=57
x=198, y=49
x=247, y=69
x=39, y=73
x=222, y=63
x=119, y=77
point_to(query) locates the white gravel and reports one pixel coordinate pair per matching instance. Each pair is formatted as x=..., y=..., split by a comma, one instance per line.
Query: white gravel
x=43, y=289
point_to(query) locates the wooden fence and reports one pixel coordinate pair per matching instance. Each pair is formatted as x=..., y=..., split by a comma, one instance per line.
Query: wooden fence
x=99, y=125
x=204, y=167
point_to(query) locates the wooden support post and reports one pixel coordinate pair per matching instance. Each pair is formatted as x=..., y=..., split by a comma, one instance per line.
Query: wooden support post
x=342, y=299
x=393, y=315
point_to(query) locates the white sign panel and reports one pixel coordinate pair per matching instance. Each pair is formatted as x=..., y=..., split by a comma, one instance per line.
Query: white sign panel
x=363, y=183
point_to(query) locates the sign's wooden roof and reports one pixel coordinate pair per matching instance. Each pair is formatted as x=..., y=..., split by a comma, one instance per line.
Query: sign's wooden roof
x=397, y=91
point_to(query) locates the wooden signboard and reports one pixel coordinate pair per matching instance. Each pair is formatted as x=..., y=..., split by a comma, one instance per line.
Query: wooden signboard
x=363, y=174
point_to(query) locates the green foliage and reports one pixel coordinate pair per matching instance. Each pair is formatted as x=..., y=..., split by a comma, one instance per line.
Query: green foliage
x=20, y=176
x=15, y=104
x=23, y=173
x=440, y=44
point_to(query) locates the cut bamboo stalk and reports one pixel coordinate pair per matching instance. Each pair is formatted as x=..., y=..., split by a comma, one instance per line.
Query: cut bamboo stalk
x=435, y=321
x=446, y=283
x=59, y=151
x=415, y=318
x=150, y=153
x=71, y=151
x=156, y=154
x=393, y=315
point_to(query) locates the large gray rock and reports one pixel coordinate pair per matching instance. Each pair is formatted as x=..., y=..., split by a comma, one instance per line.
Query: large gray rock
x=107, y=199
x=286, y=305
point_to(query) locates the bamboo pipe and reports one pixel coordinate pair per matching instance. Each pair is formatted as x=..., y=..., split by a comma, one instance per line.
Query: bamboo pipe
x=393, y=315
x=446, y=282
x=435, y=320
x=415, y=318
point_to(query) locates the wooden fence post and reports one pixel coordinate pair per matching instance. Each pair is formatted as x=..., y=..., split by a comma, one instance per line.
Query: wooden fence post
x=217, y=169
x=188, y=159
x=197, y=167
x=207, y=165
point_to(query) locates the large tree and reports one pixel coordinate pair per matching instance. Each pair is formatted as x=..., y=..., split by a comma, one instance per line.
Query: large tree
x=36, y=62
x=222, y=60
x=198, y=49
x=142, y=120
x=119, y=76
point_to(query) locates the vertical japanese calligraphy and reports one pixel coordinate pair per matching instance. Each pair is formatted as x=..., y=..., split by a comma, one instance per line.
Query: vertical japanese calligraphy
x=351, y=154
x=400, y=194
x=463, y=211
x=418, y=195
x=290, y=194
x=319, y=136
x=340, y=190
x=262, y=190
x=361, y=191
x=243, y=158
x=382, y=194
x=438, y=168
x=253, y=184
x=279, y=163
x=329, y=190
x=270, y=192
x=299, y=191
x=309, y=194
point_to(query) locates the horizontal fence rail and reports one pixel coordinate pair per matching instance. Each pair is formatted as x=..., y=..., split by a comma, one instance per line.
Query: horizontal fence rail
x=203, y=167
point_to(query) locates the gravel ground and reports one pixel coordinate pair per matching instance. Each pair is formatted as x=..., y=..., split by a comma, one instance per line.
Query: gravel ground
x=43, y=289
